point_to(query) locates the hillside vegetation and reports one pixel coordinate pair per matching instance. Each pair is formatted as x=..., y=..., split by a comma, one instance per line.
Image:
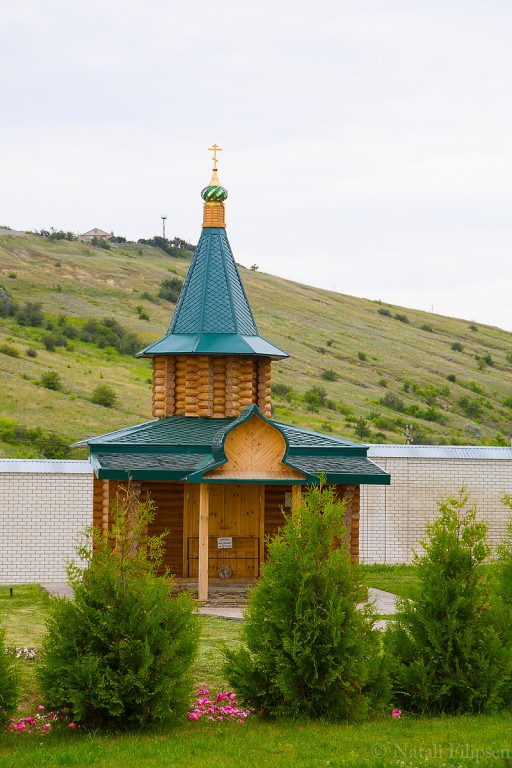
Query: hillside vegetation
x=360, y=369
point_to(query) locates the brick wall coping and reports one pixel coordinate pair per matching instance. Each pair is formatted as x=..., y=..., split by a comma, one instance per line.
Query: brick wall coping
x=46, y=466
x=478, y=452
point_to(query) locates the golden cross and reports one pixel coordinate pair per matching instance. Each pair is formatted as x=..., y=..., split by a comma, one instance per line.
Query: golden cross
x=215, y=149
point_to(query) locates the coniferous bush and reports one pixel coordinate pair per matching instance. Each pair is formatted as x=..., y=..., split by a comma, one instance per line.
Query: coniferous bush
x=9, y=683
x=504, y=589
x=447, y=651
x=119, y=655
x=308, y=651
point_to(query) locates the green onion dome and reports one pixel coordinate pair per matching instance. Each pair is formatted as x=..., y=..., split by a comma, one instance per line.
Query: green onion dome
x=214, y=192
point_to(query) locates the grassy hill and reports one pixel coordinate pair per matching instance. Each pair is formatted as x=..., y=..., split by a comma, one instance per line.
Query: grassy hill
x=359, y=369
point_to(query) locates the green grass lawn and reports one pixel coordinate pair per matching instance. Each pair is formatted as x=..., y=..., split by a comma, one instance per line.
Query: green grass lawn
x=408, y=742
x=401, y=580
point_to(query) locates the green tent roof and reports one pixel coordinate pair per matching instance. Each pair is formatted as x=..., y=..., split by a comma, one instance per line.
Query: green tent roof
x=213, y=315
x=185, y=448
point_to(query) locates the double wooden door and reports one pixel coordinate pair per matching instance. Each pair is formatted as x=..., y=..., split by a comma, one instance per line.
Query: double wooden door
x=235, y=531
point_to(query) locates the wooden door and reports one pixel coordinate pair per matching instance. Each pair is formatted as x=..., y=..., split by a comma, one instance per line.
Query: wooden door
x=235, y=543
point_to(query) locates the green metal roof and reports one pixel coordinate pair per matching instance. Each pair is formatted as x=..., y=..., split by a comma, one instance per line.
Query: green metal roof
x=185, y=448
x=213, y=315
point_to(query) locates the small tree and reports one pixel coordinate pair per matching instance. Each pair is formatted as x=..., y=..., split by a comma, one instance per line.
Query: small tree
x=362, y=428
x=51, y=380
x=446, y=651
x=104, y=395
x=308, y=649
x=119, y=654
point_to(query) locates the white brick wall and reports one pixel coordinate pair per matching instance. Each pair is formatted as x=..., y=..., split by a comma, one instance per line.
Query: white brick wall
x=393, y=517
x=44, y=506
x=41, y=517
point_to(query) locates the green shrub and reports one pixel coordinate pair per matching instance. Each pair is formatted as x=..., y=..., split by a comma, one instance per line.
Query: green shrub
x=51, y=380
x=110, y=333
x=427, y=414
x=30, y=314
x=384, y=312
x=48, y=445
x=170, y=289
x=53, y=340
x=119, y=654
x=329, y=375
x=508, y=357
x=457, y=346
x=452, y=377
x=383, y=422
x=9, y=683
x=7, y=306
x=471, y=408
x=427, y=327
x=143, y=315
x=6, y=349
x=149, y=297
x=484, y=360
x=281, y=390
x=176, y=247
x=61, y=235
x=445, y=649
x=401, y=318
x=315, y=398
x=99, y=242
x=307, y=649
x=393, y=401
x=104, y=395
x=31, y=352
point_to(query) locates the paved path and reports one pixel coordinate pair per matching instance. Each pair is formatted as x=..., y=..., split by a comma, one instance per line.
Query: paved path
x=383, y=604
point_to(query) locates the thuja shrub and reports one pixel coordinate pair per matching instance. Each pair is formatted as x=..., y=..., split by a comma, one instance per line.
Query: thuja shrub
x=9, y=683
x=308, y=651
x=447, y=653
x=504, y=589
x=119, y=655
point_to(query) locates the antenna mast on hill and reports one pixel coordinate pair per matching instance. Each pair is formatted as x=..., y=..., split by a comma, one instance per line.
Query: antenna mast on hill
x=163, y=225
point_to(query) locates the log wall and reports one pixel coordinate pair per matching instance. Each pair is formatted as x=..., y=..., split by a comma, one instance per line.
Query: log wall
x=169, y=501
x=210, y=385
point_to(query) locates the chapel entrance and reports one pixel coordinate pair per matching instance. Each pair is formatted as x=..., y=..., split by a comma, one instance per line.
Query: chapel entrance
x=235, y=534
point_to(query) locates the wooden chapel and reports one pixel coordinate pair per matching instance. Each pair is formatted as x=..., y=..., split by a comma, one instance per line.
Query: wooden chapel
x=216, y=465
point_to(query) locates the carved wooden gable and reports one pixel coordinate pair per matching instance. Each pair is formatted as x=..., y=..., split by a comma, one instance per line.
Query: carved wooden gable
x=254, y=451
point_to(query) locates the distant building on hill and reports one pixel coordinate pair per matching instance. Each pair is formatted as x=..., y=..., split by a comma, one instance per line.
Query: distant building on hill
x=92, y=233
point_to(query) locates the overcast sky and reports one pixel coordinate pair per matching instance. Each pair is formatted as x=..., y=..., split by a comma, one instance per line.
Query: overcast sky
x=367, y=144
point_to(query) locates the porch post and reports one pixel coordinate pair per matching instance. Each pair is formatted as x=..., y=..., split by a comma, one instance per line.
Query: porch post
x=202, y=577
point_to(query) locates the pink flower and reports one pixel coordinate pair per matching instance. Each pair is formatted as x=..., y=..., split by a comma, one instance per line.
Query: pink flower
x=40, y=708
x=72, y=725
x=193, y=716
x=396, y=713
